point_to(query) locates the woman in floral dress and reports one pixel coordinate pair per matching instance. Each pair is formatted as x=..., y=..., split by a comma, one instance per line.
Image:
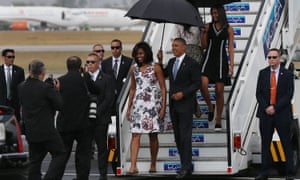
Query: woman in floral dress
x=147, y=103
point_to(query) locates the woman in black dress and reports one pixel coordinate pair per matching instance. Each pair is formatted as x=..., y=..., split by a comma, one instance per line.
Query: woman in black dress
x=216, y=68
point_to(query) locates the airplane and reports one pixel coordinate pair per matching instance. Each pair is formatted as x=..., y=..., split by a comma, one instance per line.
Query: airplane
x=105, y=17
x=23, y=17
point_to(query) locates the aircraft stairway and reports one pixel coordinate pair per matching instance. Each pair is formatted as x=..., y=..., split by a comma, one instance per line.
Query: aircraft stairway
x=213, y=152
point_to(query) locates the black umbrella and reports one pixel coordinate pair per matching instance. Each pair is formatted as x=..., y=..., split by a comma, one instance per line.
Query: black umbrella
x=210, y=3
x=166, y=11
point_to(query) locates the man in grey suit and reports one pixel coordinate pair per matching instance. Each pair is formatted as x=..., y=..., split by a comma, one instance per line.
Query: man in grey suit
x=184, y=78
x=39, y=101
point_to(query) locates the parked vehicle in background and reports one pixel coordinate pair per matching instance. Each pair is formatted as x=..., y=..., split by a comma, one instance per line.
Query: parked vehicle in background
x=13, y=159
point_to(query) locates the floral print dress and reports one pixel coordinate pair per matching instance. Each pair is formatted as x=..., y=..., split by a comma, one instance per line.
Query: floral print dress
x=147, y=102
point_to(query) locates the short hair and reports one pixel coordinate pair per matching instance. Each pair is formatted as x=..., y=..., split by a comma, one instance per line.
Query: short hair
x=117, y=40
x=36, y=68
x=73, y=63
x=275, y=49
x=98, y=44
x=5, y=51
x=148, y=52
x=180, y=40
x=95, y=55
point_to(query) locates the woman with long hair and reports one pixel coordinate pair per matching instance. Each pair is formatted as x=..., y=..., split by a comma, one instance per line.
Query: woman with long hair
x=216, y=68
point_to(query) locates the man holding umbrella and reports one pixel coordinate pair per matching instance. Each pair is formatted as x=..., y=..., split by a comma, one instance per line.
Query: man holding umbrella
x=184, y=79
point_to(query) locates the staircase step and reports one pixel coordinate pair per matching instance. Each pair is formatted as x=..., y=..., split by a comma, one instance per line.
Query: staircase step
x=170, y=167
x=197, y=138
x=210, y=150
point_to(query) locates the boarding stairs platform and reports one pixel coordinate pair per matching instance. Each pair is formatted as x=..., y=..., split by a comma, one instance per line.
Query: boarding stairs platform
x=213, y=152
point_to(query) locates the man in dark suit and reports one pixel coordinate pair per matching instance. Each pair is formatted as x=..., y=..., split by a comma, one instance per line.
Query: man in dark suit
x=274, y=92
x=103, y=89
x=72, y=121
x=15, y=75
x=39, y=101
x=118, y=67
x=184, y=78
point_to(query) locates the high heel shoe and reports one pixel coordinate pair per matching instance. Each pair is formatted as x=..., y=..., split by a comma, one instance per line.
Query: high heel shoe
x=211, y=114
x=135, y=171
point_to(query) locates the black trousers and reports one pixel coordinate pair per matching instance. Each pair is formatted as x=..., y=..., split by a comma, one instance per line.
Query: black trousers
x=100, y=137
x=37, y=153
x=83, y=138
x=182, y=126
x=283, y=127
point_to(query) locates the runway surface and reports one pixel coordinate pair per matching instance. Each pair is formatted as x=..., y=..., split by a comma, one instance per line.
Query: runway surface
x=49, y=48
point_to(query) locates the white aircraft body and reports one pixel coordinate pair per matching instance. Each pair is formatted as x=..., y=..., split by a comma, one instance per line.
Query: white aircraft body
x=105, y=17
x=21, y=16
x=57, y=16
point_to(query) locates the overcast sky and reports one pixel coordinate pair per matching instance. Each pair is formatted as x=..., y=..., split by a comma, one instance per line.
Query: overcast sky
x=124, y=4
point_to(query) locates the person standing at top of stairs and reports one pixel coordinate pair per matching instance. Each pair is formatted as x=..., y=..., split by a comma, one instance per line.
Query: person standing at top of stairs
x=215, y=67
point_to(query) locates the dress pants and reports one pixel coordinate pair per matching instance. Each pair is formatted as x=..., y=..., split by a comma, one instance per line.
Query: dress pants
x=37, y=153
x=182, y=126
x=100, y=137
x=283, y=127
x=83, y=138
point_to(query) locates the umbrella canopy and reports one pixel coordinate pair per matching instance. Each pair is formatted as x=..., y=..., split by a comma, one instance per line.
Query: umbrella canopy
x=166, y=11
x=210, y=3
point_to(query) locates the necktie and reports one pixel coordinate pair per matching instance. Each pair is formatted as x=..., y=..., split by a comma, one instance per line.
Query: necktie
x=115, y=68
x=8, y=83
x=273, y=88
x=175, y=68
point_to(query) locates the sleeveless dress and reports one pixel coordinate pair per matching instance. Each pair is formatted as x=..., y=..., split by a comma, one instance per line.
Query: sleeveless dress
x=215, y=64
x=147, y=102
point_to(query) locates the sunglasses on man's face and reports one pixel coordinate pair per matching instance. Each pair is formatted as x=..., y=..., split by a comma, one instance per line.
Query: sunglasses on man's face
x=99, y=51
x=92, y=62
x=10, y=57
x=272, y=57
x=115, y=47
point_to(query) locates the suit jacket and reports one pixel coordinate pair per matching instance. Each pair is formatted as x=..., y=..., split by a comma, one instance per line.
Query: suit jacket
x=74, y=113
x=188, y=81
x=104, y=90
x=122, y=74
x=284, y=93
x=18, y=76
x=39, y=101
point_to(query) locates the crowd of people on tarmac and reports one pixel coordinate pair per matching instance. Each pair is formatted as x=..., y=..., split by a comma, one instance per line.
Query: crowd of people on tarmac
x=85, y=99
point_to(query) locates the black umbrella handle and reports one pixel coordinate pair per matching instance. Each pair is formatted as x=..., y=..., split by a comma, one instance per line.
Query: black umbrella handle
x=162, y=37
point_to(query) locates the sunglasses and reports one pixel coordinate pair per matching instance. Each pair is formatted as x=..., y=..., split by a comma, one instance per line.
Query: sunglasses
x=272, y=57
x=10, y=57
x=99, y=51
x=115, y=47
x=88, y=62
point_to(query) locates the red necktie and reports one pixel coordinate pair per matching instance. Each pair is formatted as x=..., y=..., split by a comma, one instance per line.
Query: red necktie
x=273, y=88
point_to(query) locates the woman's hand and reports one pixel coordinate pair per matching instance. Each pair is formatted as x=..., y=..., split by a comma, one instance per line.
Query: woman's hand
x=230, y=71
x=162, y=114
x=128, y=115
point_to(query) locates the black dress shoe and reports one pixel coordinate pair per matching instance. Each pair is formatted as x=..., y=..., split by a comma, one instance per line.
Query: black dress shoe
x=183, y=174
x=103, y=177
x=261, y=177
x=289, y=178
